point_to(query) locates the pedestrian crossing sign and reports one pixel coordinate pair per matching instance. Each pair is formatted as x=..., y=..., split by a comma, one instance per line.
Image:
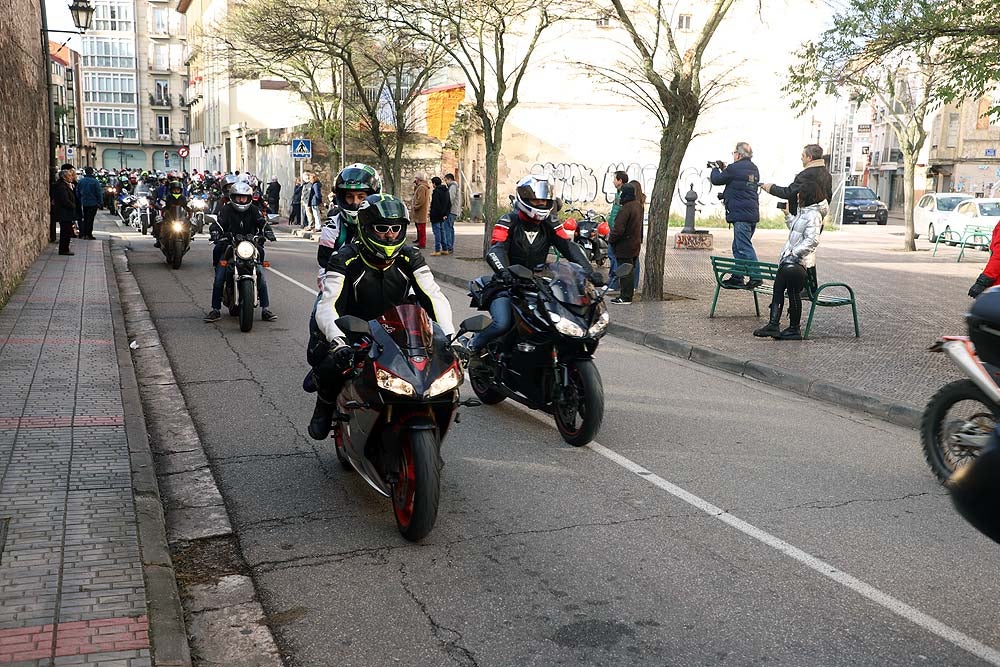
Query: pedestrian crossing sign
x=302, y=149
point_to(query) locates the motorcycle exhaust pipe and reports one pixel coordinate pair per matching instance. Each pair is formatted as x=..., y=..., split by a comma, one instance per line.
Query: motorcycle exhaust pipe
x=962, y=353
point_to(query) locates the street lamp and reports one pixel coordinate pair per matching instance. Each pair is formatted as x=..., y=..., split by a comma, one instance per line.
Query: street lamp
x=83, y=14
x=121, y=153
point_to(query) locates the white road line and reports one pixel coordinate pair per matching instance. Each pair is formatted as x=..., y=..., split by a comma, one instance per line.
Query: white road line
x=898, y=607
x=293, y=281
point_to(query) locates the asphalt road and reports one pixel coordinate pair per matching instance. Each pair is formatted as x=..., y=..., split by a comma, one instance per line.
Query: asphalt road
x=729, y=524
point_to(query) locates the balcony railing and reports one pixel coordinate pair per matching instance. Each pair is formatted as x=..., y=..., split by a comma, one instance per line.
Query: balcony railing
x=155, y=66
x=160, y=100
x=157, y=136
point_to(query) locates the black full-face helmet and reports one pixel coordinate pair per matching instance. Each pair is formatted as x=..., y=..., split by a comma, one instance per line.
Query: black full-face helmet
x=382, y=223
x=176, y=190
x=357, y=178
x=983, y=320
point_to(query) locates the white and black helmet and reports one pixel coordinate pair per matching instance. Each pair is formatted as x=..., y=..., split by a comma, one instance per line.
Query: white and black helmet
x=241, y=196
x=533, y=198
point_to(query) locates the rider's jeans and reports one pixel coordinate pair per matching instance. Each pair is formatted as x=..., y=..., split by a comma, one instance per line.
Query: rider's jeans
x=220, y=279
x=503, y=319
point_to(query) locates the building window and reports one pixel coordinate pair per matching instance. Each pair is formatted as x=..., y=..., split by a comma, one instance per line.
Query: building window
x=113, y=15
x=105, y=123
x=159, y=21
x=161, y=90
x=161, y=57
x=954, y=121
x=684, y=22
x=108, y=52
x=163, y=126
x=109, y=87
x=604, y=21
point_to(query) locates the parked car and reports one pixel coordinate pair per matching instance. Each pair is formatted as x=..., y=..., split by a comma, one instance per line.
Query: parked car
x=861, y=205
x=934, y=210
x=978, y=212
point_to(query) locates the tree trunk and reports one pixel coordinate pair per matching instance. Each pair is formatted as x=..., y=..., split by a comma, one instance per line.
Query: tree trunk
x=490, y=195
x=673, y=144
x=909, y=165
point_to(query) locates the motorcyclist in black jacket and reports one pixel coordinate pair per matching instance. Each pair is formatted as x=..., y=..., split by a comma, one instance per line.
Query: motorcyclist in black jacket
x=364, y=279
x=240, y=218
x=524, y=236
x=168, y=207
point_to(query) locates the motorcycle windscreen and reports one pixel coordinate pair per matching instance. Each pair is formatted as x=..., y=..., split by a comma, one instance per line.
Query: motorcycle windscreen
x=409, y=327
x=568, y=283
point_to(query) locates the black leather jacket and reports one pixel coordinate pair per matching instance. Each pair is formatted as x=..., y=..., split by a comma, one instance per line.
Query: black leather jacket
x=241, y=223
x=518, y=242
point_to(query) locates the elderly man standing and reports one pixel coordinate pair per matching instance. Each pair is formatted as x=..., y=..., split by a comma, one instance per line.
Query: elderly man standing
x=420, y=207
x=742, y=179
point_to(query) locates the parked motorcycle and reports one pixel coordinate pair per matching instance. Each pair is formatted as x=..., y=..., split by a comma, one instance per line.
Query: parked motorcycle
x=546, y=361
x=176, y=232
x=960, y=417
x=397, y=408
x=591, y=233
x=240, y=289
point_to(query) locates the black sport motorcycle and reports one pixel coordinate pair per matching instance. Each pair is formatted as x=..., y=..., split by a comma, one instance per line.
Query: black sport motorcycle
x=242, y=282
x=590, y=232
x=397, y=408
x=175, y=233
x=546, y=360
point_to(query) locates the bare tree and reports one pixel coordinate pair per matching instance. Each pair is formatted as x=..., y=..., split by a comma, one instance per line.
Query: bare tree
x=493, y=42
x=676, y=96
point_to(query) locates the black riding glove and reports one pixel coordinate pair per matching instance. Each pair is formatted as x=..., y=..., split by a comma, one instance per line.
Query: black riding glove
x=342, y=357
x=978, y=287
x=507, y=278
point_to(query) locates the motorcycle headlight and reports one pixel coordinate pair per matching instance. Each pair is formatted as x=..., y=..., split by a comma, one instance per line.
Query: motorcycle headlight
x=198, y=204
x=567, y=327
x=448, y=381
x=396, y=385
x=178, y=227
x=142, y=201
x=598, y=327
x=246, y=250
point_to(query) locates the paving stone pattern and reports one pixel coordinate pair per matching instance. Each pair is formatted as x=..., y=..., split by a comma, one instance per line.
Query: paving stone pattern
x=905, y=302
x=71, y=582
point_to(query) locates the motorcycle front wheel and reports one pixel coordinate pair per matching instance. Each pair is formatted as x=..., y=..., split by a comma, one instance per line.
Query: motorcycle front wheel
x=415, y=494
x=246, y=305
x=579, y=407
x=145, y=226
x=178, y=251
x=956, y=425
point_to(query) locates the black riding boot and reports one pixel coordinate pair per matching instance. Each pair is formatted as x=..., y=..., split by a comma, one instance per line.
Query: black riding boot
x=322, y=419
x=794, y=317
x=772, y=327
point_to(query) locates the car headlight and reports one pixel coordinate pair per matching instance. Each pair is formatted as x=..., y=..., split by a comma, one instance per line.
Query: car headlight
x=882, y=207
x=246, y=250
x=142, y=201
x=567, y=327
x=396, y=385
x=598, y=327
x=448, y=381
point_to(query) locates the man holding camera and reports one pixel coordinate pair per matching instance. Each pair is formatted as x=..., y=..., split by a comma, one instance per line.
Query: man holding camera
x=741, y=179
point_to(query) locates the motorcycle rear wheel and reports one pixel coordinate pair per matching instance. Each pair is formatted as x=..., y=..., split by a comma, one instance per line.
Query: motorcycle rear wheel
x=940, y=434
x=579, y=410
x=246, y=305
x=484, y=392
x=415, y=495
x=178, y=251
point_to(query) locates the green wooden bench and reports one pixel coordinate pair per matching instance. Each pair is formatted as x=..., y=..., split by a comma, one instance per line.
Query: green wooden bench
x=724, y=267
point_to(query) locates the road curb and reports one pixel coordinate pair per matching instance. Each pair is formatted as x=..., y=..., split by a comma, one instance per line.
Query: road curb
x=175, y=465
x=167, y=632
x=829, y=392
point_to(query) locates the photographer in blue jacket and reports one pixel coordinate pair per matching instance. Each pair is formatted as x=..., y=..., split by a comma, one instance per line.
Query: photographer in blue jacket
x=741, y=179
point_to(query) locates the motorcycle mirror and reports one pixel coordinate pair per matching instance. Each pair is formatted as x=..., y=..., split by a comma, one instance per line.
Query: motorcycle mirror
x=520, y=272
x=352, y=325
x=475, y=323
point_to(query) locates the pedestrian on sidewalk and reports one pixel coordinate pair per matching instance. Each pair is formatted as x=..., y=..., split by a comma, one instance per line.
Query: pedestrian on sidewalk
x=273, y=194
x=91, y=195
x=440, y=209
x=315, y=202
x=304, y=195
x=65, y=206
x=626, y=239
x=420, y=207
x=620, y=179
x=798, y=255
x=295, y=210
x=640, y=195
x=742, y=180
x=455, y=196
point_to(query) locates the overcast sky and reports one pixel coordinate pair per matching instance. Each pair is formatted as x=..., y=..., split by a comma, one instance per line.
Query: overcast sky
x=60, y=19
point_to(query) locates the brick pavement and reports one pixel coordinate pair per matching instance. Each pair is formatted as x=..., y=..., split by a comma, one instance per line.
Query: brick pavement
x=71, y=577
x=905, y=301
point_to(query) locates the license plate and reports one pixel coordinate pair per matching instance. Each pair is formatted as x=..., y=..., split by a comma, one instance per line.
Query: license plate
x=868, y=215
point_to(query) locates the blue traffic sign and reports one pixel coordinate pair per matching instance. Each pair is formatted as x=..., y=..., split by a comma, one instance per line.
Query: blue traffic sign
x=302, y=149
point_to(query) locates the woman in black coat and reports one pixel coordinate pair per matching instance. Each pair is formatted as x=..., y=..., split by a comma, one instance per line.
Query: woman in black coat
x=65, y=205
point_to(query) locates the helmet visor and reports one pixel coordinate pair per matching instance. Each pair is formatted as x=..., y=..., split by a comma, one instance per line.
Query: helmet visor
x=391, y=209
x=355, y=178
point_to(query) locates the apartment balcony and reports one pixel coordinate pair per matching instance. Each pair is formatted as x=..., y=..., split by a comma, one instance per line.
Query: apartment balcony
x=160, y=101
x=157, y=137
x=159, y=67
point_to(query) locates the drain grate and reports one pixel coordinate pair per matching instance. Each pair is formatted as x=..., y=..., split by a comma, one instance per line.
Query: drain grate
x=3, y=535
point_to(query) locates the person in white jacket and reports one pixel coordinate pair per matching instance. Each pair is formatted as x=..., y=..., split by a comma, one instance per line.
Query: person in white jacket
x=798, y=255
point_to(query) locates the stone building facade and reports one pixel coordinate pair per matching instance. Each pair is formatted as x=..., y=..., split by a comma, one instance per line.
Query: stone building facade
x=23, y=143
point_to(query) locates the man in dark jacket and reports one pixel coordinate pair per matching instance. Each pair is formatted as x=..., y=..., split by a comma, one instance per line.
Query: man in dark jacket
x=65, y=207
x=272, y=195
x=91, y=195
x=741, y=179
x=295, y=211
x=440, y=208
x=814, y=170
x=626, y=239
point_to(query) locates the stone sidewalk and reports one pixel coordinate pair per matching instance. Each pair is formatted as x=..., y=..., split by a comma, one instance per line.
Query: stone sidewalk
x=84, y=575
x=905, y=302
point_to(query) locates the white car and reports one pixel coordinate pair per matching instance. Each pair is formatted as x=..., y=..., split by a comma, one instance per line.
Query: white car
x=975, y=212
x=933, y=212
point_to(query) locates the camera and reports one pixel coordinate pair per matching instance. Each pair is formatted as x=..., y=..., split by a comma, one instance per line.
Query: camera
x=716, y=164
x=721, y=198
x=782, y=205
